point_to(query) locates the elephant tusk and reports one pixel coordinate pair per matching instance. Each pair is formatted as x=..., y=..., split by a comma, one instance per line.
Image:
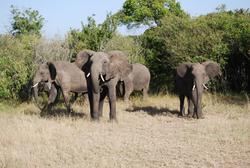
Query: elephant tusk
x=205, y=86
x=193, y=87
x=88, y=74
x=35, y=84
x=102, y=78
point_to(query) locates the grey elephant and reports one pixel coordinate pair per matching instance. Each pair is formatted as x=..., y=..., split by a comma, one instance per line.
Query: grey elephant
x=103, y=71
x=138, y=79
x=59, y=74
x=190, y=82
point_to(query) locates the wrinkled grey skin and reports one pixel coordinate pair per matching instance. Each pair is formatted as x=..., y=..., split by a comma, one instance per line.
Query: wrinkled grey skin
x=61, y=74
x=103, y=71
x=190, y=82
x=138, y=80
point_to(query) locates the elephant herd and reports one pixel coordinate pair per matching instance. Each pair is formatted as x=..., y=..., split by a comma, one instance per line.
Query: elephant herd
x=97, y=74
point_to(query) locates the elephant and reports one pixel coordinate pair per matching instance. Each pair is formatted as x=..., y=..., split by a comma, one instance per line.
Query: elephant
x=103, y=71
x=138, y=79
x=190, y=82
x=59, y=74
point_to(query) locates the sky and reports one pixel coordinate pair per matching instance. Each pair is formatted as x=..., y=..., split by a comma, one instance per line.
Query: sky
x=61, y=15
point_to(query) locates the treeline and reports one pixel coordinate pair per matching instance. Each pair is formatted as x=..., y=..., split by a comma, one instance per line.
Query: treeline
x=222, y=36
x=172, y=37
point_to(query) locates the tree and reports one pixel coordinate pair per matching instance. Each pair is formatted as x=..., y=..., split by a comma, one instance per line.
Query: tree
x=92, y=36
x=26, y=22
x=147, y=12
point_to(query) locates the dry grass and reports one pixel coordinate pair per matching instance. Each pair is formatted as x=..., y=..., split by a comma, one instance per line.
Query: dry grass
x=150, y=135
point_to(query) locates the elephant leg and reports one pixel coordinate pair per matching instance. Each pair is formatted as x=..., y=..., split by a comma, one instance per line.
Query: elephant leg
x=52, y=97
x=199, y=110
x=194, y=101
x=102, y=97
x=112, y=102
x=67, y=101
x=128, y=89
x=145, y=93
x=190, y=107
x=72, y=101
x=127, y=94
x=182, y=109
x=90, y=98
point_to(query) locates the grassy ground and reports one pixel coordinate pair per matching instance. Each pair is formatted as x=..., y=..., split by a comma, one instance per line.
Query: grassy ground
x=149, y=135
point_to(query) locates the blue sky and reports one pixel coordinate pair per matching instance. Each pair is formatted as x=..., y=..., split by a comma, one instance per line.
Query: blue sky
x=62, y=15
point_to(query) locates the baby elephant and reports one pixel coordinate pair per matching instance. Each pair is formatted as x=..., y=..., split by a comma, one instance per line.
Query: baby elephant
x=138, y=80
x=190, y=82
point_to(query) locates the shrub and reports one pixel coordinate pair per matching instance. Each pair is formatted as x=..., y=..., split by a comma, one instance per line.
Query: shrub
x=128, y=44
x=16, y=56
x=52, y=49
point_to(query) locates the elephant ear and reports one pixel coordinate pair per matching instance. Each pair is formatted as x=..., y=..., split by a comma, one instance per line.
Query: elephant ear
x=119, y=64
x=83, y=57
x=52, y=70
x=212, y=68
x=183, y=68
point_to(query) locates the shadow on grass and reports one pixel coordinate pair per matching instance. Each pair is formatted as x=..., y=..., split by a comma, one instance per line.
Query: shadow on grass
x=153, y=111
x=59, y=112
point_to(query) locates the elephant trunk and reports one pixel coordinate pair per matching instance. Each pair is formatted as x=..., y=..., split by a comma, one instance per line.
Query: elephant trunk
x=95, y=78
x=95, y=95
x=199, y=90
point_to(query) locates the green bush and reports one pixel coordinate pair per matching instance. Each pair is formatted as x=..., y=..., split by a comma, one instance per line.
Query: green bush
x=128, y=44
x=16, y=57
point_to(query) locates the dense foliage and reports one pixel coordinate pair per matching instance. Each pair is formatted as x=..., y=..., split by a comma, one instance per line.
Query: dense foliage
x=222, y=36
x=16, y=57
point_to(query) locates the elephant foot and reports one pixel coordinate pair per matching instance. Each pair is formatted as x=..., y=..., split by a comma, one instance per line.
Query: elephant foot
x=181, y=115
x=95, y=117
x=190, y=115
x=43, y=114
x=182, y=112
x=113, y=120
x=201, y=116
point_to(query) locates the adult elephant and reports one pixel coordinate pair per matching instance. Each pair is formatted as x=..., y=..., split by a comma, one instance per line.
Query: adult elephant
x=190, y=82
x=138, y=79
x=59, y=74
x=103, y=71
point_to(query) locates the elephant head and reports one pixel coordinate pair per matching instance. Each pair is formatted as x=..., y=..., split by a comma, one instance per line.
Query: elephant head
x=43, y=78
x=83, y=58
x=103, y=67
x=195, y=76
x=199, y=73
